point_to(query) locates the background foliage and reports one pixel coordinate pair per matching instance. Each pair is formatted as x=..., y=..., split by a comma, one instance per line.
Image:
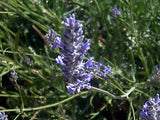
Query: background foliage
x=130, y=43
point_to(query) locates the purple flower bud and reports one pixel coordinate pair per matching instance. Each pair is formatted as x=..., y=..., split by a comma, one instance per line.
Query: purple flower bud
x=52, y=40
x=107, y=69
x=86, y=46
x=71, y=88
x=14, y=75
x=89, y=63
x=100, y=64
x=156, y=67
x=115, y=12
x=3, y=116
x=156, y=76
x=59, y=60
x=28, y=60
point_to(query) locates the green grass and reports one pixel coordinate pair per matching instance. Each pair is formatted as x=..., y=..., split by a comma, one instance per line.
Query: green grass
x=130, y=43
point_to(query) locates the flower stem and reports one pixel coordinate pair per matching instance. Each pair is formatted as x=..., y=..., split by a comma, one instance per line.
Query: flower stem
x=105, y=92
x=45, y=106
x=113, y=96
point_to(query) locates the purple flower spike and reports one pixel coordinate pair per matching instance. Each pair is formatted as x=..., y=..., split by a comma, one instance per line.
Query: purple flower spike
x=28, y=60
x=52, y=40
x=115, y=12
x=3, y=116
x=14, y=75
x=151, y=109
x=73, y=49
x=156, y=76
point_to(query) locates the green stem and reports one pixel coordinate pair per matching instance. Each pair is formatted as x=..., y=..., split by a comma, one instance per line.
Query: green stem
x=105, y=92
x=131, y=13
x=132, y=108
x=28, y=54
x=21, y=98
x=144, y=61
x=98, y=8
x=129, y=92
x=17, y=116
x=45, y=106
x=8, y=95
x=4, y=12
x=113, y=96
x=140, y=91
x=117, y=88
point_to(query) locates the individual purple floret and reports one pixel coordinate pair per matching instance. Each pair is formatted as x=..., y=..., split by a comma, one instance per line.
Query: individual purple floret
x=156, y=76
x=14, y=75
x=3, y=116
x=52, y=40
x=28, y=60
x=151, y=109
x=73, y=49
x=115, y=12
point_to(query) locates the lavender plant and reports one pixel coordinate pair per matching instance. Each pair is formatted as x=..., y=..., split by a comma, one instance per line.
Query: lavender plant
x=3, y=116
x=151, y=109
x=131, y=44
x=78, y=72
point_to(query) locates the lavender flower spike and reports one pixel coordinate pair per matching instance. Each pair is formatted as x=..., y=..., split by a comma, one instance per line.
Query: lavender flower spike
x=52, y=40
x=3, y=116
x=73, y=52
x=14, y=75
x=73, y=49
x=151, y=109
x=156, y=76
x=115, y=12
x=28, y=60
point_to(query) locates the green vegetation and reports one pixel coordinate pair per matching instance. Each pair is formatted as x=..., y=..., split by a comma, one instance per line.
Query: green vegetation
x=129, y=43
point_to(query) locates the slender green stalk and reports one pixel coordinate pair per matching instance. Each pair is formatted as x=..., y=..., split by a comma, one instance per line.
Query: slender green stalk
x=20, y=94
x=4, y=12
x=105, y=92
x=17, y=116
x=98, y=8
x=140, y=91
x=29, y=54
x=8, y=95
x=45, y=106
x=117, y=88
x=113, y=96
x=129, y=92
x=132, y=108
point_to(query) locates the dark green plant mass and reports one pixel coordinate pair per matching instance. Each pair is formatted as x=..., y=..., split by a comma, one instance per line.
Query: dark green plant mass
x=124, y=34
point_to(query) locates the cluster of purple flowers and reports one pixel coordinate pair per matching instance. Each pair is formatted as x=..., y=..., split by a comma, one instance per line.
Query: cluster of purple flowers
x=73, y=49
x=156, y=76
x=115, y=12
x=14, y=76
x=151, y=109
x=52, y=40
x=3, y=116
x=28, y=60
